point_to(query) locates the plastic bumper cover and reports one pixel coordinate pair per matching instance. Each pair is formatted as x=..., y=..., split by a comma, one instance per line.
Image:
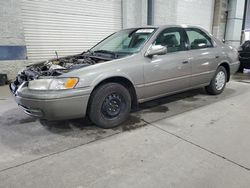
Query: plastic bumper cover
x=53, y=105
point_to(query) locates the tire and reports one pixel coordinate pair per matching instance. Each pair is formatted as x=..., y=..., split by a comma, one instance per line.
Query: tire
x=218, y=83
x=110, y=105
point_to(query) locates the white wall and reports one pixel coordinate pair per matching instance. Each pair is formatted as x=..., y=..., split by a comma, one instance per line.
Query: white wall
x=134, y=13
x=165, y=12
x=191, y=12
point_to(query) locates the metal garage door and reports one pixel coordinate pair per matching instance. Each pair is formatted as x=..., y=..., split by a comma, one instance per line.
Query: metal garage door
x=191, y=12
x=67, y=26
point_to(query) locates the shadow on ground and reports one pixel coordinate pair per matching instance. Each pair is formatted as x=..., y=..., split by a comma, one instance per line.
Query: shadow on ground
x=194, y=99
x=134, y=120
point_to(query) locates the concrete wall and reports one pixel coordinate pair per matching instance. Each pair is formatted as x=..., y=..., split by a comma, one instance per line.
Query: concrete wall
x=234, y=22
x=12, y=42
x=195, y=12
x=165, y=12
x=247, y=16
x=134, y=13
x=220, y=18
x=11, y=23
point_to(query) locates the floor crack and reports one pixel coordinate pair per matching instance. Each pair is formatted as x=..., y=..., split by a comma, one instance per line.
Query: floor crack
x=56, y=153
x=201, y=147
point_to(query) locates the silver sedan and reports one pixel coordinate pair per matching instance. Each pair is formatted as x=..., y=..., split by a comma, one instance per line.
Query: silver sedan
x=129, y=67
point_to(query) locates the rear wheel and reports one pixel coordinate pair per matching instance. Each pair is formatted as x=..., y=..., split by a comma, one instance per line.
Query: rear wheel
x=218, y=82
x=110, y=105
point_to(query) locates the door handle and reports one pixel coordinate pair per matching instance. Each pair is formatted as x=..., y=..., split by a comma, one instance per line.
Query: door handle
x=185, y=62
x=217, y=57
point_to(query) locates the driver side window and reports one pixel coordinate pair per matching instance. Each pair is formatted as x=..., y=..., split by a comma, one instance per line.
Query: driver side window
x=172, y=38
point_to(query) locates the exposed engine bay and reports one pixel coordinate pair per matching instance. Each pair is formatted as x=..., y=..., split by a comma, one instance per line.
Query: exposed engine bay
x=58, y=66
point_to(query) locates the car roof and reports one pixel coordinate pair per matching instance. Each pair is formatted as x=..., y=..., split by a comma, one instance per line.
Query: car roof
x=166, y=26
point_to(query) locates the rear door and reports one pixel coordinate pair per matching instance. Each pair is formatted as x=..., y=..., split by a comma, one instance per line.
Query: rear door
x=202, y=56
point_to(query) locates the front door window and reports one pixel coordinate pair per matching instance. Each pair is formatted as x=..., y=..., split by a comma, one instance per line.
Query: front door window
x=172, y=38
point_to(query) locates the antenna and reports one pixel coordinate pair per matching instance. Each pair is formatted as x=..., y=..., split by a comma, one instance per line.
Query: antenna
x=56, y=54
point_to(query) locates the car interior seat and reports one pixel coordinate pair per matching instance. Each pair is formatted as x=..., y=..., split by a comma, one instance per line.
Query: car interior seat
x=171, y=42
x=198, y=43
x=136, y=42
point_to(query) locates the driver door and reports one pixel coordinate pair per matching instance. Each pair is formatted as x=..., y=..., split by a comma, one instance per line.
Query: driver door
x=168, y=73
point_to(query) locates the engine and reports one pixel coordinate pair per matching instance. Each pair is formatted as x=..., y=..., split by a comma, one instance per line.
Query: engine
x=54, y=67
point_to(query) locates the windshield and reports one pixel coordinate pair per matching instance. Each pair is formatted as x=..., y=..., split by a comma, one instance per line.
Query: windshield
x=125, y=41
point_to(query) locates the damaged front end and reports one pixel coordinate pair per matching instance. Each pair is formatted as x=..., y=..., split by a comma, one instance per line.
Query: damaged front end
x=56, y=67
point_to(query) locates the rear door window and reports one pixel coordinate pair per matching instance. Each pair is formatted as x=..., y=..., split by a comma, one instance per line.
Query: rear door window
x=198, y=39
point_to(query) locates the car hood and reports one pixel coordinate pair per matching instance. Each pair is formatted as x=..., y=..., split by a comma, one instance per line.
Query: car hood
x=60, y=66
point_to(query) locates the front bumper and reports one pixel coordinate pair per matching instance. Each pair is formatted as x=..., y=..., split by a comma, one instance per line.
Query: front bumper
x=53, y=105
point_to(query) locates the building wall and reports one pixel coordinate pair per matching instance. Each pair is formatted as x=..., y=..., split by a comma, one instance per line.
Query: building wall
x=161, y=16
x=247, y=20
x=134, y=13
x=220, y=19
x=234, y=22
x=67, y=27
x=195, y=12
x=12, y=42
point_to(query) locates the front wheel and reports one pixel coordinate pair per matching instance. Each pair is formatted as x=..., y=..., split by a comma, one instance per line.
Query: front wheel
x=218, y=82
x=110, y=105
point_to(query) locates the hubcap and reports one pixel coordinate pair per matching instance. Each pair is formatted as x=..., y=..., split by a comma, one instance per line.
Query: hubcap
x=220, y=80
x=112, y=105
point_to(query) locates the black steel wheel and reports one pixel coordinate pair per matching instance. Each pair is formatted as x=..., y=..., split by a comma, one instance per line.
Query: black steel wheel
x=109, y=105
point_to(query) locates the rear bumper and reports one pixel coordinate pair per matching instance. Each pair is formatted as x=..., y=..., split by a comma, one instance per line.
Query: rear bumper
x=53, y=105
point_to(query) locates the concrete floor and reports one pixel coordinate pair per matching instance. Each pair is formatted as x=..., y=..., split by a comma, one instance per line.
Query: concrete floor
x=187, y=140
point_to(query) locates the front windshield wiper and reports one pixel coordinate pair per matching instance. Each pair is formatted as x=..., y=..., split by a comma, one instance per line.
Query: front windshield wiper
x=106, y=52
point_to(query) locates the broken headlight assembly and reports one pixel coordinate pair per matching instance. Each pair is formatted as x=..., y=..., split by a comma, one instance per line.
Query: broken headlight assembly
x=53, y=84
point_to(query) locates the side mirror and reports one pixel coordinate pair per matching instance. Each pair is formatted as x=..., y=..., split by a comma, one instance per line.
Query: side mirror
x=223, y=40
x=156, y=50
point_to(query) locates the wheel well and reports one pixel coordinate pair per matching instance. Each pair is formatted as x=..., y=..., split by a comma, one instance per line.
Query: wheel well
x=126, y=83
x=226, y=66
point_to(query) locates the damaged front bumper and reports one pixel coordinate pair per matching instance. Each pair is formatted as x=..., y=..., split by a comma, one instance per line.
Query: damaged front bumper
x=52, y=105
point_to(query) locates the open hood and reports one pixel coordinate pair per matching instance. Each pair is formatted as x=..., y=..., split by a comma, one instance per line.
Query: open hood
x=59, y=66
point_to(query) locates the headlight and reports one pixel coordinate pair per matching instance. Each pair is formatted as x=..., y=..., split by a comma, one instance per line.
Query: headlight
x=53, y=84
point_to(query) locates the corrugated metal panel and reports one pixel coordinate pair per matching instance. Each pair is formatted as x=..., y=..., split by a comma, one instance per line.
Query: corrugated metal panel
x=191, y=12
x=67, y=26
